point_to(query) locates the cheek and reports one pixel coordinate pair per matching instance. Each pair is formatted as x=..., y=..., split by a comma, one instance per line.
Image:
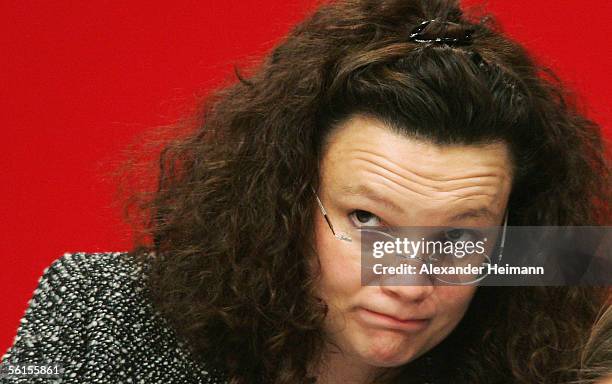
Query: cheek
x=453, y=301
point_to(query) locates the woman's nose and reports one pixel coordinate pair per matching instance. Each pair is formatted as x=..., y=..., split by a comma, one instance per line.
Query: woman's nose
x=408, y=288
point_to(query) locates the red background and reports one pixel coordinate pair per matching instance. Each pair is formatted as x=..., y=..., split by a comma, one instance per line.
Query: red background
x=80, y=79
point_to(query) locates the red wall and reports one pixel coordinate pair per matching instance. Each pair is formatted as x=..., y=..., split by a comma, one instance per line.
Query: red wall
x=79, y=80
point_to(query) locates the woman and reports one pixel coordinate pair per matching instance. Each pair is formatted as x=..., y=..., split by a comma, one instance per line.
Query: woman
x=370, y=113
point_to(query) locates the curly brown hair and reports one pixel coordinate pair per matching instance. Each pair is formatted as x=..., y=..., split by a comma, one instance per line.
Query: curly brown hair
x=230, y=222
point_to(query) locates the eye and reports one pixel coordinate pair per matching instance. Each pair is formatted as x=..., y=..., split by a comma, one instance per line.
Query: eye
x=459, y=234
x=362, y=218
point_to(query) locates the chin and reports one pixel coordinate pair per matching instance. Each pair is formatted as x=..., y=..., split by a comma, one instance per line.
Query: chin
x=387, y=352
x=385, y=359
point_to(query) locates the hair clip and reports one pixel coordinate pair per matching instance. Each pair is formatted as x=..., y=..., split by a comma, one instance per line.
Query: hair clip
x=452, y=33
x=478, y=60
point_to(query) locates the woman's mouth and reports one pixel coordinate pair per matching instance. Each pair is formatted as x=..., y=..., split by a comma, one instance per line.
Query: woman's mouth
x=382, y=320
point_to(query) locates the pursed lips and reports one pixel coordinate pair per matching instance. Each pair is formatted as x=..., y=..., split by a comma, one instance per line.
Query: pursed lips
x=383, y=319
x=398, y=317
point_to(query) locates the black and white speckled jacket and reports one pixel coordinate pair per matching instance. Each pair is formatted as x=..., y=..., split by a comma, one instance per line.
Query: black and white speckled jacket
x=90, y=313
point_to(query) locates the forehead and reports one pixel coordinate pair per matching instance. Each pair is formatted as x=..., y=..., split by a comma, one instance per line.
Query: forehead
x=363, y=154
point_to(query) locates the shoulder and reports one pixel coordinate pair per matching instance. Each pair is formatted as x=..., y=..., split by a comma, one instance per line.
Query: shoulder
x=81, y=287
x=92, y=313
x=91, y=274
x=104, y=279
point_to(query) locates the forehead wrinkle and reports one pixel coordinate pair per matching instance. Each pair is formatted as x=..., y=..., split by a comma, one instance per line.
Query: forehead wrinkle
x=474, y=196
x=402, y=189
x=432, y=178
x=403, y=178
x=391, y=177
x=473, y=190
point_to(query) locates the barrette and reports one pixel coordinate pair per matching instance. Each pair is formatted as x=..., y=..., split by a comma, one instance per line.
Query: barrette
x=478, y=60
x=453, y=34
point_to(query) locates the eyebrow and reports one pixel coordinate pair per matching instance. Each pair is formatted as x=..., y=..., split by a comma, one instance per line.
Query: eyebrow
x=475, y=213
x=365, y=191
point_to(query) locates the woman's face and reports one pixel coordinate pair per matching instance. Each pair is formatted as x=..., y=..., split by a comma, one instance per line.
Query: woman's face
x=373, y=176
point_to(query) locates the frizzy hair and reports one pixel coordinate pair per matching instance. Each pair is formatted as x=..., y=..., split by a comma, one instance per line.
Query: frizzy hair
x=227, y=232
